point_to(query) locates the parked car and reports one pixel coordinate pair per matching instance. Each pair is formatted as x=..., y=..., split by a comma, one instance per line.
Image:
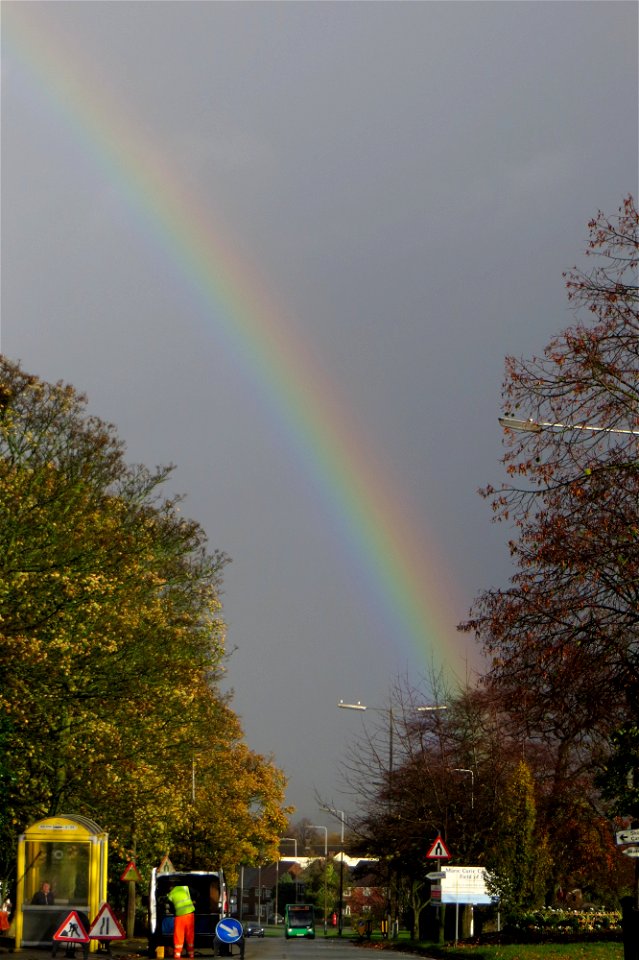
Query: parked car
x=253, y=930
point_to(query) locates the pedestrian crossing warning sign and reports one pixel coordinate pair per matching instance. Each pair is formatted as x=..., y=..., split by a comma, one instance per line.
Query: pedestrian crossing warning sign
x=438, y=850
x=106, y=925
x=72, y=930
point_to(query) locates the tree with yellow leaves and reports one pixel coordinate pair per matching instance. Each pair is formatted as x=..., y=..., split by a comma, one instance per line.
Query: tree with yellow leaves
x=112, y=647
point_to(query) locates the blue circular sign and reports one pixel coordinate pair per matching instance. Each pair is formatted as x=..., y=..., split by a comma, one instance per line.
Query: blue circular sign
x=229, y=930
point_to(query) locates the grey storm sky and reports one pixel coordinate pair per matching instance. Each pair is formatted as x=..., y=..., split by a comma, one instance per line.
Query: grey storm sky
x=407, y=181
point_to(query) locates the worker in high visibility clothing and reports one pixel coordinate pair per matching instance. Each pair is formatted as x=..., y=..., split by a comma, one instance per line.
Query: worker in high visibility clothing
x=184, y=922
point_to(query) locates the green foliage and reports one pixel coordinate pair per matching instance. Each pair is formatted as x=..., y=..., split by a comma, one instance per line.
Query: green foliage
x=619, y=780
x=518, y=876
x=321, y=884
x=112, y=646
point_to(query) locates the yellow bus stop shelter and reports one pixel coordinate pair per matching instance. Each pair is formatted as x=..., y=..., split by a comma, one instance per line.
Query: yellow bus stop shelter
x=70, y=854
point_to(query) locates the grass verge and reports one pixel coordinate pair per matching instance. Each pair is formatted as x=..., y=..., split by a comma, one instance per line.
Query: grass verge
x=585, y=950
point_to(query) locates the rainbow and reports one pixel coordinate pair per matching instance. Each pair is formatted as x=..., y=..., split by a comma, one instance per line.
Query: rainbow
x=404, y=571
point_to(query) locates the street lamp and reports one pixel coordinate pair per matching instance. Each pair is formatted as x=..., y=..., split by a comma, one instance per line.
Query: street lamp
x=536, y=426
x=340, y=814
x=472, y=783
x=314, y=826
x=277, y=872
x=389, y=710
x=292, y=840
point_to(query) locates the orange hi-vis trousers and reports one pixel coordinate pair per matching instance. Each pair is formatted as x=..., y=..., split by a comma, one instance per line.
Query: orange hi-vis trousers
x=184, y=929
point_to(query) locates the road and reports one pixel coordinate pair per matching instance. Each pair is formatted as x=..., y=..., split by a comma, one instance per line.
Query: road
x=279, y=948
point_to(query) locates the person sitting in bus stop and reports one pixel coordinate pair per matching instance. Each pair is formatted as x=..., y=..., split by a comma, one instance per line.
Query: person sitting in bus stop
x=44, y=896
x=184, y=923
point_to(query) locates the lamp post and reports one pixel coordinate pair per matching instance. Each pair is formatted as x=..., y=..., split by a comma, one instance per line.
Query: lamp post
x=340, y=814
x=389, y=710
x=277, y=874
x=292, y=840
x=472, y=783
x=314, y=826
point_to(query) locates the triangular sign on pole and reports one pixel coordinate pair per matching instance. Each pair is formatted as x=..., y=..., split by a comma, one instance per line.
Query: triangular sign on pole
x=166, y=866
x=438, y=851
x=131, y=873
x=71, y=931
x=106, y=925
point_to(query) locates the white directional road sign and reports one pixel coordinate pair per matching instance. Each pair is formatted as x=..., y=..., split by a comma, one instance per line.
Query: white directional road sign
x=435, y=875
x=627, y=836
x=631, y=851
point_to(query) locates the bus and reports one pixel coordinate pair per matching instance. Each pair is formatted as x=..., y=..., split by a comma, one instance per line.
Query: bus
x=299, y=920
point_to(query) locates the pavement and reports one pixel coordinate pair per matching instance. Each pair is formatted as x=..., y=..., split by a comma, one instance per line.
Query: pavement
x=118, y=949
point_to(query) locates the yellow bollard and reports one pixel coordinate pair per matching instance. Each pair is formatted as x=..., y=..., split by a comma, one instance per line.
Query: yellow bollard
x=159, y=953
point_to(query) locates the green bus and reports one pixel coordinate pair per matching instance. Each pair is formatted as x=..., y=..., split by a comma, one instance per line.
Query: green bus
x=299, y=920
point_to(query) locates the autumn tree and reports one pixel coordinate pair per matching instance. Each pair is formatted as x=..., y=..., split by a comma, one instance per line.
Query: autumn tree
x=111, y=641
x=564, y=636
x=518, y=875
x=449, y=773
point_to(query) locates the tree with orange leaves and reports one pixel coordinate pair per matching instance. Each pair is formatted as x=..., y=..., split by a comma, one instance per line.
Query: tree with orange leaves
x=564, y=636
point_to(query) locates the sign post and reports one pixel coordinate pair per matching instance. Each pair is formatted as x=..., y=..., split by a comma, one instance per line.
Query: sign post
x=131, y=875
x=437, y=851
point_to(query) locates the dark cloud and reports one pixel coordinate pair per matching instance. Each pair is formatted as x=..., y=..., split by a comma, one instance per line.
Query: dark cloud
x=408, y=181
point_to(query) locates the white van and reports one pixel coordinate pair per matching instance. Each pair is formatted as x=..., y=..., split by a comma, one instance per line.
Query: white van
x=208, y=892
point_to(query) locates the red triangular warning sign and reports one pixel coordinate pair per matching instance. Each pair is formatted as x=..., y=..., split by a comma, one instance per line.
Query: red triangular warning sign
x=438, y=851
x=106, y=925
x=72, y=930
x=131, y=873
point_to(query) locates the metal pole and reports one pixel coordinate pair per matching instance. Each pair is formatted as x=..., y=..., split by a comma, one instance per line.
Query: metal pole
x=342, y=817
x=325, y=829
x=389, y=909
x=340, y=919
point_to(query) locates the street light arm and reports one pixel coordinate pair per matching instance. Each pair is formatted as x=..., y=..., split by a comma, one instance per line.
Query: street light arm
x=472, y=783
x=536, y=426
x=339, y=815
x=292, y=840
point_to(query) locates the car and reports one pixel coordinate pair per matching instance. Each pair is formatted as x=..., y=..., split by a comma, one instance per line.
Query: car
x=253, y=930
